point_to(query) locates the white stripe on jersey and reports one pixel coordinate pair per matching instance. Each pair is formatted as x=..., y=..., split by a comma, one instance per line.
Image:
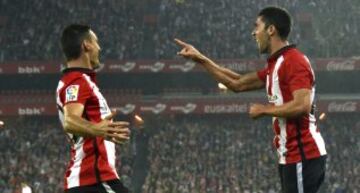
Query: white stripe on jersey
x=60, y=104
x=104, y=108
x=317, y=137
x=282, y=141
x=110, y=152
x=74, y=179
x=312, y=120
x=276, y=91
x=59, y=87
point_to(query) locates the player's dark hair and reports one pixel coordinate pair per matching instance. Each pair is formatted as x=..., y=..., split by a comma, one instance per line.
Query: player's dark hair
x=278, y=17
x=71, y=39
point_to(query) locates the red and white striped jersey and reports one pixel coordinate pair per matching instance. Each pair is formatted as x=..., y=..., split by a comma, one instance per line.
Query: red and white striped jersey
x=295, y=138
x=92, y=158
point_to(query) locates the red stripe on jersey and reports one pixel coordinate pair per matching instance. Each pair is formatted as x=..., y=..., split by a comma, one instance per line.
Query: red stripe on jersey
x=293, y=153
x=276, y=129
x=87, y=171
x=270, y=83
x=309, y=144
x=71, y=163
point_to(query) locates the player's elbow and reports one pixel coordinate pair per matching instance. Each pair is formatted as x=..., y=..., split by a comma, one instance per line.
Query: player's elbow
x=236, y=87
x=302, y=109
x=67, y=124
x=307, y=109
x=237, y=90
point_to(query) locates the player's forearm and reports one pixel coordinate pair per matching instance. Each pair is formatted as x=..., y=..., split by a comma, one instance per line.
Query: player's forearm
x=287, y=110
x=230, y=73
x=220, y=74
x=78, y=126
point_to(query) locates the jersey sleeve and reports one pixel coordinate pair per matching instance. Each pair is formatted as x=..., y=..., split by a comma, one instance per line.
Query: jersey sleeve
x=299, y=75
x=262, y=74
x=77, y=91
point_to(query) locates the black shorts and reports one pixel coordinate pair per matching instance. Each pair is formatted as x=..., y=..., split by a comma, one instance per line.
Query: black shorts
x=303, y=177
x=112, y=186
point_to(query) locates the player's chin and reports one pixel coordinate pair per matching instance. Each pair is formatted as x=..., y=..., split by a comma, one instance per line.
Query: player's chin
x=95, y=64
x=263, y=50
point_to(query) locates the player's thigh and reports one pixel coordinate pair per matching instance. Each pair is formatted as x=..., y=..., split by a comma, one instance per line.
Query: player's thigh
x=314, y=174
x=288, y=178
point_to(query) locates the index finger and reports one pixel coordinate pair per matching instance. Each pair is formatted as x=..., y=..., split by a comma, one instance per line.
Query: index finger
x=181, y=43
x=117, y=130
x=119, y=124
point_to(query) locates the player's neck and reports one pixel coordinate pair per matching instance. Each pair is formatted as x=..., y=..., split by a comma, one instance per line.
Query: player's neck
x=277, y=44
x=81, y=62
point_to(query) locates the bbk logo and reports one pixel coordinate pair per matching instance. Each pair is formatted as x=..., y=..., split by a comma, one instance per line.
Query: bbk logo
x=30, y=111
x=29, y=70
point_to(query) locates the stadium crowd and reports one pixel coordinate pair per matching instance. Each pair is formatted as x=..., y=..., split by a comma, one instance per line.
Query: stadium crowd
x=235, y=155
x=35, y=151
x=223, y=154
x=145, y=29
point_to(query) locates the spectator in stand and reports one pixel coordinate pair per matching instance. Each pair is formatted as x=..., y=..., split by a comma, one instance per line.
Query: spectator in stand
x=181, y=155
x=138, y=38
x=33, y=151
x=218, y=155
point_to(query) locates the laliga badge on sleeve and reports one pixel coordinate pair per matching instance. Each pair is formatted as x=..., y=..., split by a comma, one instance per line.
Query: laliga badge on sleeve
x=72, y=93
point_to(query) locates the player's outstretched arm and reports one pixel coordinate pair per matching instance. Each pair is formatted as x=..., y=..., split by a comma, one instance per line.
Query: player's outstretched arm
x=232, y=80
x=117, y=132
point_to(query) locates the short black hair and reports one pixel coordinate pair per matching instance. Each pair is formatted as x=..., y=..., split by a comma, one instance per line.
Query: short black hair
x=71, y=39
x=278, y=17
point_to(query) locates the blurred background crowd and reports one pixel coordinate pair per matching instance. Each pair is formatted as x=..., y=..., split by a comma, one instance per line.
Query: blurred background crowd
x=36, y=152
x=222, y=154
x=145, y=29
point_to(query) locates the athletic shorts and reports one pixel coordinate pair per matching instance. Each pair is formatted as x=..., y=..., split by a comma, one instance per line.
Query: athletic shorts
x=112, y=186
x=303, y=177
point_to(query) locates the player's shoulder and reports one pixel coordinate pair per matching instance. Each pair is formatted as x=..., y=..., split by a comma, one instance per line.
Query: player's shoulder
x=72, y=76
x=295, y=56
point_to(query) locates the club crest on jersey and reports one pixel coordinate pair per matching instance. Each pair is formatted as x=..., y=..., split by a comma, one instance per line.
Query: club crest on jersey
x=272, y=98
x=72, y=93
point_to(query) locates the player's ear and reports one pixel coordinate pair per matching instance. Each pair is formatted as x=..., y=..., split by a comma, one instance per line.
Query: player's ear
x=271, y=30
x=86, y=45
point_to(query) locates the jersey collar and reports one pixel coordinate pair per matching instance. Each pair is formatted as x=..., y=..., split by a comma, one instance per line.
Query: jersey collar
x=87, y=71
x=275, y=55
